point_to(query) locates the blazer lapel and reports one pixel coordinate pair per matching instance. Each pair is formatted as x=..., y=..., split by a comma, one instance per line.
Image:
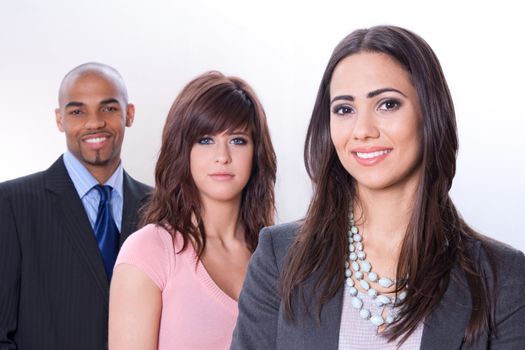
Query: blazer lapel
x=323, y=335
x=133, y=198
x=75, y=224
x=445, y=327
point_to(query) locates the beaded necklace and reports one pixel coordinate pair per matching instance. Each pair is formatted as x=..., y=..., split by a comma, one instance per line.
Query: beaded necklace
x=357, y=265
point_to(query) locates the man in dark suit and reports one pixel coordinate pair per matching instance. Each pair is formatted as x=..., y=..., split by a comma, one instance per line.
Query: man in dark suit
x=60, y=229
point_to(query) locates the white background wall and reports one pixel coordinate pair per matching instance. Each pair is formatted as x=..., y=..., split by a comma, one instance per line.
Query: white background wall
x=281, y=49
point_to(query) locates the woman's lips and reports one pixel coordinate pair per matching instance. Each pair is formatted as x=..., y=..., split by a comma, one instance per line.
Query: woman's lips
x=221, y=176
x=370, y=156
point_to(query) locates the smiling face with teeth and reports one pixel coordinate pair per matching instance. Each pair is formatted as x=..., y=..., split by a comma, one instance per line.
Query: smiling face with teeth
x=93, y=114
x=375, y=121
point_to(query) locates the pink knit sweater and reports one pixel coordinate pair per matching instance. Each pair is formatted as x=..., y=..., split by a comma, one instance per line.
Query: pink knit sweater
x=196, y=313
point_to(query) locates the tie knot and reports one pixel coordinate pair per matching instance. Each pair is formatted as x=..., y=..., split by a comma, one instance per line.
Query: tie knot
x=104, y=191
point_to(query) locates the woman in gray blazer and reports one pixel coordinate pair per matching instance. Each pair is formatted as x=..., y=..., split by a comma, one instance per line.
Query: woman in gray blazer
x=382, y=259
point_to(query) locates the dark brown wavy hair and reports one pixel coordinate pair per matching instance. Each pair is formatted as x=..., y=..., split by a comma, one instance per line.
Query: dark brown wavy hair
x=437, y=238
x=211, y=103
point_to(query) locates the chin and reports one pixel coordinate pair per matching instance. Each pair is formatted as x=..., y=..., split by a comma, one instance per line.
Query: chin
x=224, y=197
x=97, y=161
x=375, y=183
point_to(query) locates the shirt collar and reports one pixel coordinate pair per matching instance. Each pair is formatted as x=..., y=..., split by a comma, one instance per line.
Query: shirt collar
x=84, y=180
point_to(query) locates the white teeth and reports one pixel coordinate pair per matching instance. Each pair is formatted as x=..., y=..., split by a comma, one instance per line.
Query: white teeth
x=373, y=154
x=95, y=140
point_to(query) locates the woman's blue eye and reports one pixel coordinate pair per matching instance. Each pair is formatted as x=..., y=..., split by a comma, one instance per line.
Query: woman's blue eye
x=205, y=141
x=239, y=141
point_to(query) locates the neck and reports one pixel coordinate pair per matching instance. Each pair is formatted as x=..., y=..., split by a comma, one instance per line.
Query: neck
x=383, y=217
x=102, y=173
x=221, y=220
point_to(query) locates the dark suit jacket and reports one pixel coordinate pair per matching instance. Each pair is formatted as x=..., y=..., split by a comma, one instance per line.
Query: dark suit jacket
x=53, y=286
x=262, y=324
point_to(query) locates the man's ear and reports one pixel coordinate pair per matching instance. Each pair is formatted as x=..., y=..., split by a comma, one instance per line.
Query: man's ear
x=130, y=114
x=58, y=118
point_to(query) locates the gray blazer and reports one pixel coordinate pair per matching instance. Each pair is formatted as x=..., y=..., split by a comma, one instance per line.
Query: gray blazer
x=262, y=325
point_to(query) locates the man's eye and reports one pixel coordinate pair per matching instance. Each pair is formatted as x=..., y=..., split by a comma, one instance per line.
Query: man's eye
x=75, y=112
x=110, y=109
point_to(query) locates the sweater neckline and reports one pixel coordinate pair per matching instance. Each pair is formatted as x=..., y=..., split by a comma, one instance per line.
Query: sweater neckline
x=205, y=279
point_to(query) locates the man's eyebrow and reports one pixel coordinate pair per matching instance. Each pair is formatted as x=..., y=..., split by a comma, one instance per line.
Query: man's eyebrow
x=109, y=101
x=73, y=104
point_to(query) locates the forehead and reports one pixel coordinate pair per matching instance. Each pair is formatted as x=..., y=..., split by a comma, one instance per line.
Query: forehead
x=363, y=72
x=89, y=88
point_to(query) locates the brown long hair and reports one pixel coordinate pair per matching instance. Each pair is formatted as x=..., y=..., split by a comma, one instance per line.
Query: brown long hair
x=436, y=238
x=211, y=103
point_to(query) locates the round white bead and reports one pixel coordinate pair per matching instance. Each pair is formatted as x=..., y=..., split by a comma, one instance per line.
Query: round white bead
x=353, y=256
x=377, y=320
x=360, y=246
x=364, y=284
x=366, y=266
x=349, y=282
x=361, y=255
x=402, y=295
x=372, y=293
x=358, y=275
x=354, y=230
x=357, y=237
x=352, y=291
x=389, y=319
x=385, y=282
x=382, y=300
x=348, y=273
x=351, y=248
x=357, y=303
x=364, y=313
x=372, y=276
x=355, y=266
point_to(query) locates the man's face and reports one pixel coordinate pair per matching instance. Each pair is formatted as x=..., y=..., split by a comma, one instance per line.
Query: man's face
x=93, y=115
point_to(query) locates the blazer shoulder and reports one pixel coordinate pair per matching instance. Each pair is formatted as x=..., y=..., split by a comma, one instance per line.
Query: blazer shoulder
x=139, y=188
x=489, y=250
x=24, y=184
x=280, y=238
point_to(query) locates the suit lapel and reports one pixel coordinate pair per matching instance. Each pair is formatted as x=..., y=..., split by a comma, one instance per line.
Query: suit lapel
x=76, y=228
x=133, y=197
x=445, y=327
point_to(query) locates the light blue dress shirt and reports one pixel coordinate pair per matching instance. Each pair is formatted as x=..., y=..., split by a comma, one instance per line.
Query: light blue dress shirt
x=84, y=182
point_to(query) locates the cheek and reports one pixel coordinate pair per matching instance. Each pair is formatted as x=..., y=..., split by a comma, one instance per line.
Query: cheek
x=338, y=134
x=410, y=134
x=195, y=162
x=247, y=161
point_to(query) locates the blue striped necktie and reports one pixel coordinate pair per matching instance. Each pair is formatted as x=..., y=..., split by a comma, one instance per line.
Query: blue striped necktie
x=106, y=230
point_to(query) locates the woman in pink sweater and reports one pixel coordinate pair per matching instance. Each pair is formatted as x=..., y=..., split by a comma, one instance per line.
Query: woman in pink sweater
x=177, y=280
